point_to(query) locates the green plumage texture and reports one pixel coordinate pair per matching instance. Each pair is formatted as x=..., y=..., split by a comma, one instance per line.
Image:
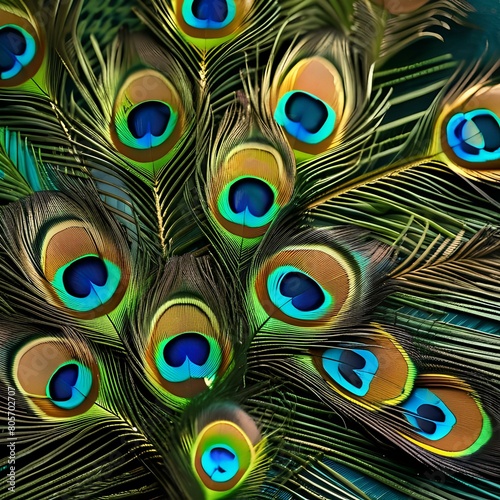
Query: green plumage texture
x=250, y=249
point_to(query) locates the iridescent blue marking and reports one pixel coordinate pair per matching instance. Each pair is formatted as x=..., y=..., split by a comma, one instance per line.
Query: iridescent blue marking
x=213, y=10
x=298, y=295
x=69, y=385
x=150, y=123
x=475, y=136
x=251, y=194
x=305, y=116
x=430, y=417
x=248, y=201
x=220, y=462
x=305, y=293
x=17, y=50
x=192, y=346
x=87, y=282
x=82, y=274
x=208, y=14
x=352, y=369
x=188, y=355
x=62, y=382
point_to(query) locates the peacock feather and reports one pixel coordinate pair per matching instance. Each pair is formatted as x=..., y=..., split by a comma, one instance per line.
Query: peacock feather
x=250, y=249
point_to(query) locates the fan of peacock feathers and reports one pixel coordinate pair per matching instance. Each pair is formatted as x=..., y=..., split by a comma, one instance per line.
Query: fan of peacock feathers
x=250, y=249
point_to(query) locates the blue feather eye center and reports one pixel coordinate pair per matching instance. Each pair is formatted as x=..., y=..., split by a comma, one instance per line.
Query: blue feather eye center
x=350, y=361
x=305, y=116
x=87, y=282
x=62, y=382
x=251, y=194
x=431, y=415
x=150, y=117
x=352, y=369
x=428, y=414
x=150, y=123
x=12, y=44
x=248, y=201
x=208, y=14
x=17, y=49
x=220, y=463
x=297, y=294
x=305, y=293
x=189, y=355
x=475, y=136
x=210, y=10
x=81, y=275
x=307, y=110
x=187, y=346
x=69, y=385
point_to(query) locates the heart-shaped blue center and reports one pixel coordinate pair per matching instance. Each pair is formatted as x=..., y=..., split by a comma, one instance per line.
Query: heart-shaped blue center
x=220, y=463
x=352, y=369
x=350, y=362
x=310, y=112
x=69, y=385
x=210, y=10
x=149, y=118
x=63, y=381
x=251, y=194
x=80, y=276
x=430, y=416
x=12, y=44
x=481, y=131
x=306, y=294
x=475, y=136
x=191, y=346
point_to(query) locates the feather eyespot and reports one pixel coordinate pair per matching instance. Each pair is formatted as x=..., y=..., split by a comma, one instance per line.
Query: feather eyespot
x=248, y=189
x=21, y=50
x=469, y=133
x=353, y=369
x=208, y=23
x=59, y=379
x=430, y=417
x=305, y=117
x=69, y=385
x=208, y=14
x=188, y=355
x=250, y=194
x=150, y=123
x=309, y=104
x=87, y=282
x=75, y=257
x=320, y=282
x=148, y=117
x=86, y=277
x=186, y=351
x=17, y=48
x=248, y=201
x=297, y=294
x=372, y=370
x=224, y=452
x=305, y=286
x=475, y=136
x=446, y=416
